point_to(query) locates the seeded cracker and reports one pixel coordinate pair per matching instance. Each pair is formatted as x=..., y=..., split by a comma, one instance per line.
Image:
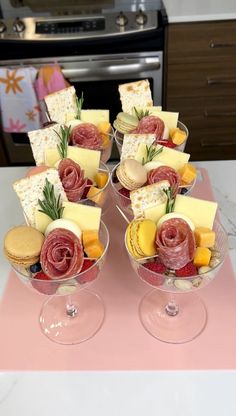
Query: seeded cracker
x=135, y=94
x=131, y=143
x=61, y=103
x=30, y=190
x=148, y=196
x=43, y=139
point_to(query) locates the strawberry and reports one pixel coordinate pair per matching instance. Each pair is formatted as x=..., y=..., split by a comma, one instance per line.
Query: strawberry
x=153, y=272
x=89, y=183
x=188, y=270
x=90, y=274
x=125, y=192
x=167, y=143
x=43, y=284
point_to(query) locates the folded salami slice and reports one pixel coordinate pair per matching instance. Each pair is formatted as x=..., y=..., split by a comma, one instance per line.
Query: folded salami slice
x=176, y=243
x=62, y=254
x=86, y=135
x=151, y=124
x=165, y=173
x=72, y=178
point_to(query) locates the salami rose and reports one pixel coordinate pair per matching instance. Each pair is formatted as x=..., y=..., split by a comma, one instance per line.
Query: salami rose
x=151, y=124
x=62, y=254
x=72, y=178
x=86, y=135
x=176, y=243
x=165, y=173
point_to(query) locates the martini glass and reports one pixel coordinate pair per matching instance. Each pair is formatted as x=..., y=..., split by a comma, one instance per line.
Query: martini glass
x=123, y=201
x=71, y=313
x=172, y=312
x=120, y=136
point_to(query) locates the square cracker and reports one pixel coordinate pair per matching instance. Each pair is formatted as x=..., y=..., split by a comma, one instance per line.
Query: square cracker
x=148, y=196
x=135, y=94
x=30, y=189
x=61, y=103
x=42, y=139
x=131, y=143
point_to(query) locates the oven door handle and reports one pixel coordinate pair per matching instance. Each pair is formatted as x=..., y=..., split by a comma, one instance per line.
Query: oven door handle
x=104, y=69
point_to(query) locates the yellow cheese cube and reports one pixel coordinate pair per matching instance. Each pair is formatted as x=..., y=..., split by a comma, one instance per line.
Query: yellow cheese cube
x=85, y=216
x=202, y=256
x=97, y=195
x=188, y=173
x=201, y=212
x=101, y=179
x=95, y=249
x=178, y=136
x=204, y=237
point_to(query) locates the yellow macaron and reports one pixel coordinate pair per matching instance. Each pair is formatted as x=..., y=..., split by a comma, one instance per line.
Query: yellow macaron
x=22, y=245
x=140, y=238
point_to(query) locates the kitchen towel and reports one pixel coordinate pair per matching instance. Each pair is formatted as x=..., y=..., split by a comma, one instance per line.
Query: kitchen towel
x=20, y=111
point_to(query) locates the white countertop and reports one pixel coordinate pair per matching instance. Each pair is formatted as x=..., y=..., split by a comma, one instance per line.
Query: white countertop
x=183, y=393
x=199, y=10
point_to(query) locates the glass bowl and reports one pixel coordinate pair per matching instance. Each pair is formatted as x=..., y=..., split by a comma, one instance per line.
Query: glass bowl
x=124, y=202
x=106, y=152
x=172, y=312
x=72, y=313
x=120, y=136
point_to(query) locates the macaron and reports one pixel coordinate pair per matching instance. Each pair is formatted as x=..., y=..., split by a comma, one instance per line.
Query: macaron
x=22, y=245
x=131, y=174
x=140, y=238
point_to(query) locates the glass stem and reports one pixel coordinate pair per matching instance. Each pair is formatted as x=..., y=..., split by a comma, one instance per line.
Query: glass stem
x=171, y=308
x=71, y=308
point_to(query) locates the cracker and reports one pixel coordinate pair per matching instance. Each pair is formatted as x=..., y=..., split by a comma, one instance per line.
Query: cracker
x=62, y=103
x=135, y=94
x=43, y=139
x=148, y=196
x=131, y=143
x=30, y=190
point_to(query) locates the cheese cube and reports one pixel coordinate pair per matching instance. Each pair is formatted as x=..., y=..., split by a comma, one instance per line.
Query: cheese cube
x=97, y=195
x=178, y=136
x=204, y=237
x=169, y=157
x=201, y=212
x=94, y=116
x=95, y=249
x=188, y=173
x=85, y=216
x=202, y=256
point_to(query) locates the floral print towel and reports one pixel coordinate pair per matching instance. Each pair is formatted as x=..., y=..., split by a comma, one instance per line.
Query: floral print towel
x=20, y=111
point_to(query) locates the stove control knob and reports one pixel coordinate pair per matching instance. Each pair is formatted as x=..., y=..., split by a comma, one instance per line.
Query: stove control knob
x=3, y=27
x=121, y=19
x=18, y=26
x=141, y=18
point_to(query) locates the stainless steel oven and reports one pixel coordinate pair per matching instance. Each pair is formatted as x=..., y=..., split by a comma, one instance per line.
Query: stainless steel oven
x=96, y=53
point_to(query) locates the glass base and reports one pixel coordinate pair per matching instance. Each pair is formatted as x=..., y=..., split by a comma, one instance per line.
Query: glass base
x=72, y=325
x=184, y=326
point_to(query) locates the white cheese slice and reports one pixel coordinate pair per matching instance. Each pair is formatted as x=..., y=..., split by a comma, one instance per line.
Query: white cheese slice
x=85, y=216
x=168, y=156
x=201, y=212
x=94, y=116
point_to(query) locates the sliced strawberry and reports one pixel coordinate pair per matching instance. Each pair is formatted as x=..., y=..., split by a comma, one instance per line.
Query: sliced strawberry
x=153, y=273
x=188, y=270
x=43, y=284
x=87, y=273
x=166, y=143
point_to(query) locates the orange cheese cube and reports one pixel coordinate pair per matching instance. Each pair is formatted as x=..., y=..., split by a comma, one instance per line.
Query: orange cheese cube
x=188, y=173
x=101, y=179
x=104, y=127
x=96, y=195
x=177, y=136
x=204, y=237
x=202, y=256
x=89, y=236
x=95, y=249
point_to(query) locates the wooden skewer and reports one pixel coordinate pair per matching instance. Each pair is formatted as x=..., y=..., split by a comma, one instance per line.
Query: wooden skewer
x=147, y=258
x=123, y=214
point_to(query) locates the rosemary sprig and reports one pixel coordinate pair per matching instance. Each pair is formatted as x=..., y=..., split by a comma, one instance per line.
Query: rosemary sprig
x=141, y=113
x=79, y=103
x=151, y=152
x=170, y=199
x=51, y=205
x=64, y=137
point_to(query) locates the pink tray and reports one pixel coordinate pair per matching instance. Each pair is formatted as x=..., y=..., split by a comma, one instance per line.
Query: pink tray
x=122, y=343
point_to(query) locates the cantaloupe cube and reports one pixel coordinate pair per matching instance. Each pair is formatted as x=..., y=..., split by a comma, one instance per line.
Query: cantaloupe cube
x=89, y=236
x=177, y=136
x=101, y=179
x=96, y=195
x=205, y=237
x=188, y=173
x=202, y=256
x=94, y=250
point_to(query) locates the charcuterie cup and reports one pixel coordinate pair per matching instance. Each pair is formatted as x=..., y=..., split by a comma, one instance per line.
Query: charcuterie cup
x=71, y=313
x=171, y=311
x=120, y=136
